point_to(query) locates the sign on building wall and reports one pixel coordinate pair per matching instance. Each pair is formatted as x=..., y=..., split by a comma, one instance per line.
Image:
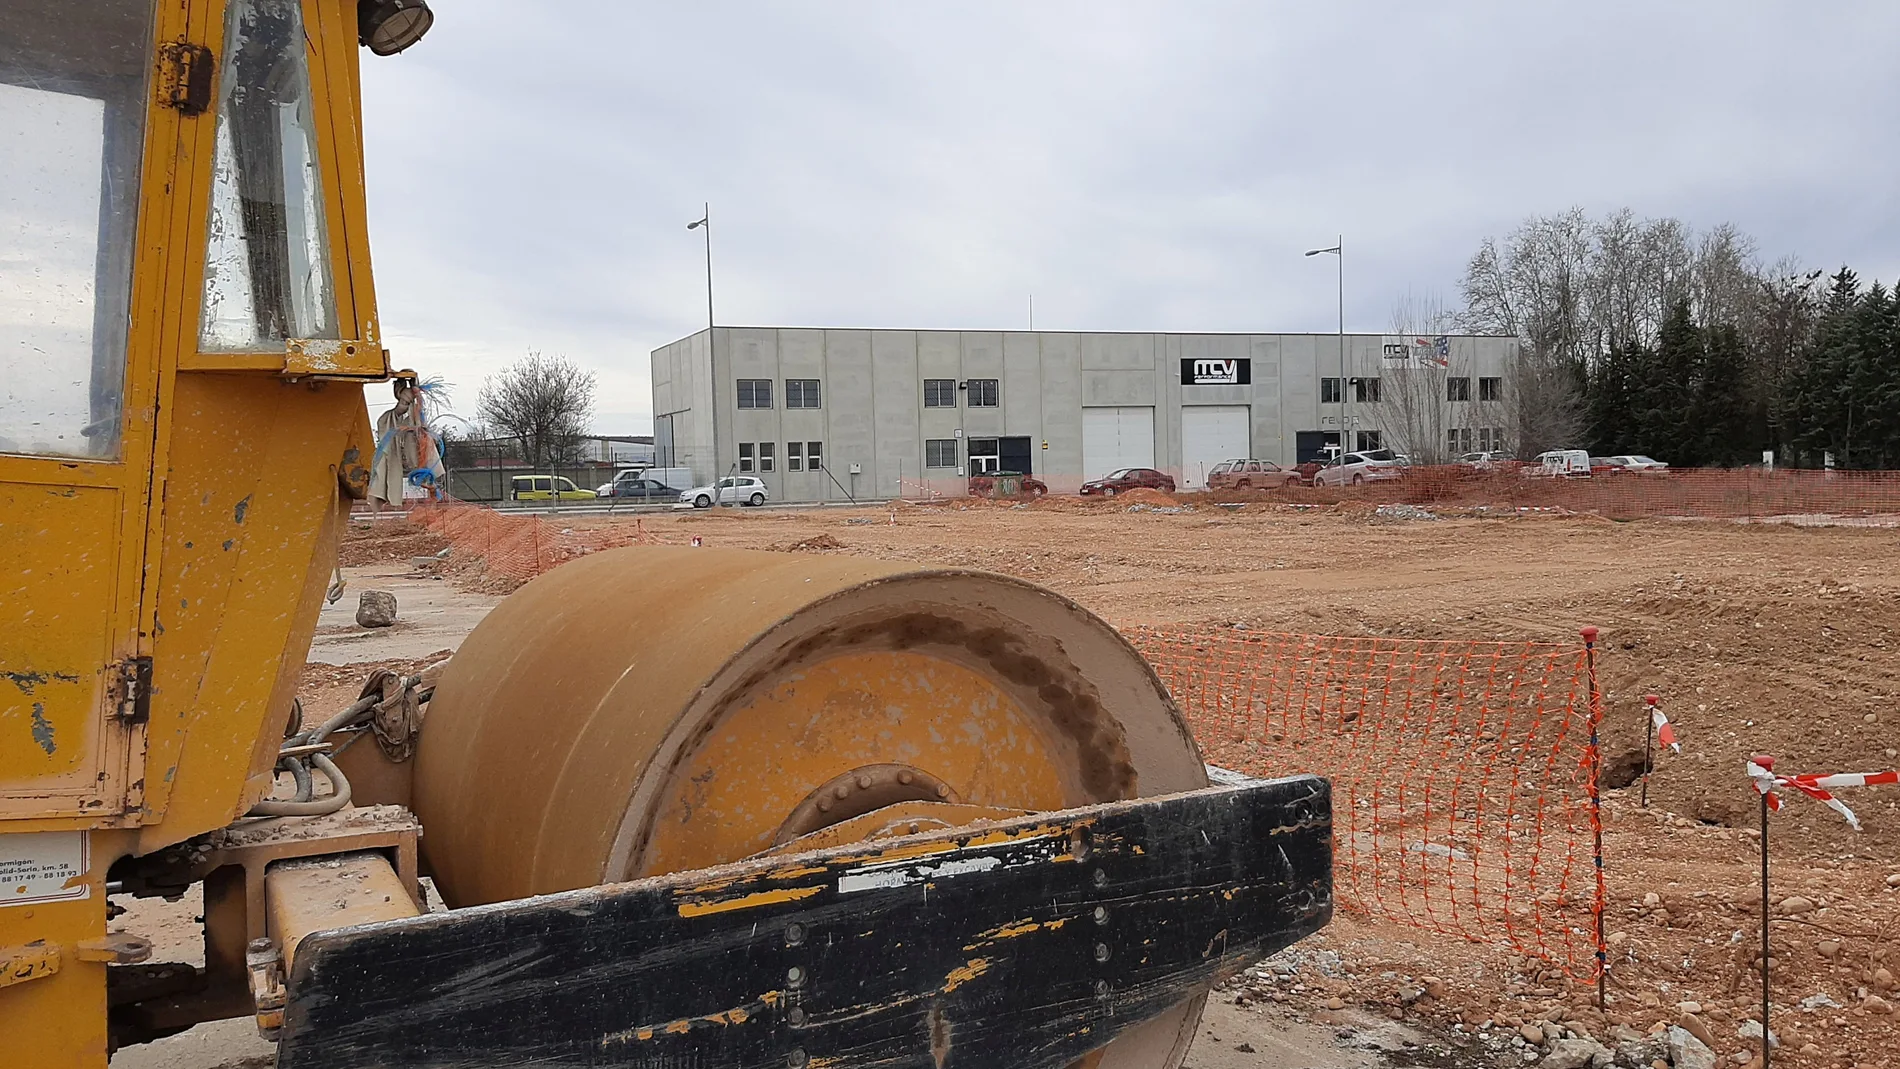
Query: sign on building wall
x=1410, y=353
x=1216, y=372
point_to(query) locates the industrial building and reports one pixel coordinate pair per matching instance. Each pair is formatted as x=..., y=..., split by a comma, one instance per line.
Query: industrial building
x=827, y=414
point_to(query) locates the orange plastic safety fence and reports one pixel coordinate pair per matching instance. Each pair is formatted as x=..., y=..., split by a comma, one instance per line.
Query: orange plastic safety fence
x=517, y=547
x=1463, y=772
x=1691, y=493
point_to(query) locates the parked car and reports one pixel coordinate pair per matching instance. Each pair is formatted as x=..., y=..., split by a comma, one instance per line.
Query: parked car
x=1125, y=479
x=1251, y=475
x=1631, y=463
x=1488, y=462
x=547, y=488
x=736, y=489
x=677, y=478
x=1488, y=459
x=631, y=486
x=1563, y=463
x=1027, y=485
x=1355, y=469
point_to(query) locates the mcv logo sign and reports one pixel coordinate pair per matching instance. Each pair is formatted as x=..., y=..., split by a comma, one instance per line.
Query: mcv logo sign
x=1216, y=372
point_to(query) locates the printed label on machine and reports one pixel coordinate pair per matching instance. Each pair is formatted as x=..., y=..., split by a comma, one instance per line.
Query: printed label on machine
x=47, y=866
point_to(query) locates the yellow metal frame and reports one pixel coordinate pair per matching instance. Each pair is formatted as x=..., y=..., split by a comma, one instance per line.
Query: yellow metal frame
x=228, y=515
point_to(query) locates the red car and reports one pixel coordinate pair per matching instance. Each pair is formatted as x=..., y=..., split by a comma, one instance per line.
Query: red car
x=1116, y=482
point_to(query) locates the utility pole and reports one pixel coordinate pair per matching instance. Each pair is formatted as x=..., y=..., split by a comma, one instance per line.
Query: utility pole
x=1339, y=250
x=712, y=363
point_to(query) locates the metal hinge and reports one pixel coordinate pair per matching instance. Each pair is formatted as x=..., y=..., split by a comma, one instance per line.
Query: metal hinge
x=184, y=77
x=134, y=692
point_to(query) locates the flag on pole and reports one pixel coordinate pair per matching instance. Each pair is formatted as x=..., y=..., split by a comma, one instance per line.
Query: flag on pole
x=1761, y=770
x=1665, y=733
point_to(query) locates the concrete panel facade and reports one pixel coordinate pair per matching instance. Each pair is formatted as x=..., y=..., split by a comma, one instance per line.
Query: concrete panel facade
x=872, y=426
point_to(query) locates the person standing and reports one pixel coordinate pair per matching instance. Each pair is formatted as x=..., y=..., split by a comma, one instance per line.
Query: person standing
x=399, y=434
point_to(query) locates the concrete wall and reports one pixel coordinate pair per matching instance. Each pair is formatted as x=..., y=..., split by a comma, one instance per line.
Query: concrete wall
x=873, y=416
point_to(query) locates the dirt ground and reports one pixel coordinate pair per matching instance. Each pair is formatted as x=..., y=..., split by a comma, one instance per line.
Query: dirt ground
x=1760, y=638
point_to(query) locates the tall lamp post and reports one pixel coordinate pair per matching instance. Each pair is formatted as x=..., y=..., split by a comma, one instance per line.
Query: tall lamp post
x=712, y=368
x=1339, y=250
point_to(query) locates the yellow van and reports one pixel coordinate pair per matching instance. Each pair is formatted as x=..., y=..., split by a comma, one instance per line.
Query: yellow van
x=545, y=488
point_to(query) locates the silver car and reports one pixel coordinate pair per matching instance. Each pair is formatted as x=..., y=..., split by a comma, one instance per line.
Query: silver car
x=1356, y=469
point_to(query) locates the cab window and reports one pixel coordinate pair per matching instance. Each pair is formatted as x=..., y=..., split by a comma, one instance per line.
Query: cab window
x=72, y=129
x=267, y=263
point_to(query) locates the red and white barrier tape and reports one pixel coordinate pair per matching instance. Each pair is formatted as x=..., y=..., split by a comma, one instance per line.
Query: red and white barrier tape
x=1665, y=733
x=1761, y=770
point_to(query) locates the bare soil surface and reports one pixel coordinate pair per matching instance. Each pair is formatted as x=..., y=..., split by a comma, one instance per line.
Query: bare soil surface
x=1760, y=638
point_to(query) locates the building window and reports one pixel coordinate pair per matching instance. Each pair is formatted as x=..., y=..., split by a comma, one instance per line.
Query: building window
x=801, y=393
x=768, y=453
x=1371, y=439
x=982, y=393
x=1490, y=389
x=940, y=452
x=1328, y=391
x=985, y=457
x=1491, y=439
x=1458, y=388
x=1366, y=391
x=755, y=393
x=940, y=393
x=745, y=456
x=1458, y=441
x=815, y=456
x=794, y=456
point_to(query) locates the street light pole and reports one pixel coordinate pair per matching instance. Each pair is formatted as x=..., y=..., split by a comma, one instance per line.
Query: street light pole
x=1339, y=250
x=712, y=366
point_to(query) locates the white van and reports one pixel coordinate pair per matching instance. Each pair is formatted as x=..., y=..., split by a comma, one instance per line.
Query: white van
x=1570, y=463
x=677, y=478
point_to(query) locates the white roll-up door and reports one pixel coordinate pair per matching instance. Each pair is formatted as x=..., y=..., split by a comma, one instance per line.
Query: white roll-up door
x=1211, y=434
x=1119, y=436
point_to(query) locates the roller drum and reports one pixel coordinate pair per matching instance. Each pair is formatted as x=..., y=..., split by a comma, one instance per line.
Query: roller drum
x=655, y=709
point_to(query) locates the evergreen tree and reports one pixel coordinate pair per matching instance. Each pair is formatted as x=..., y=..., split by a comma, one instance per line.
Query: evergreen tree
x=1872, y=389
x=1723, y=417
x=1609, y=397
x=1820, y=409
x=1665, y=406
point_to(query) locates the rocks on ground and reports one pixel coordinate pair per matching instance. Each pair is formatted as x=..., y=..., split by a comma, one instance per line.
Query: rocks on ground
x=1686, y=1051
x=1577, y=1052
x=376, y=608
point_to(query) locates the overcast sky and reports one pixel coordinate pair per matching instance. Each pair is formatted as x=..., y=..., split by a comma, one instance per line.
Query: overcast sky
x=1151, y=166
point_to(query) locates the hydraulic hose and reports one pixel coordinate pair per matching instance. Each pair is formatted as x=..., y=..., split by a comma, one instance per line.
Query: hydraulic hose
x=338, y=797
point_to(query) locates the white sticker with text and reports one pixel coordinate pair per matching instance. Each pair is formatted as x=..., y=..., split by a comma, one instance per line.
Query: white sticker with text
x=46, y=866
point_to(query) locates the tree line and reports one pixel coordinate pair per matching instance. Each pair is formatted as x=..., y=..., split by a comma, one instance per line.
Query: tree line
x=1642, y=336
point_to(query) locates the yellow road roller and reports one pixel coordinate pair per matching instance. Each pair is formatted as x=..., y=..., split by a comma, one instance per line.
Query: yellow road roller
x=757, y=810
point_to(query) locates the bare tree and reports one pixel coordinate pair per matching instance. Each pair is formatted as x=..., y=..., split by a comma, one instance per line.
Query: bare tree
x=1409, y=400
x=544, y=401
x=1542, y=407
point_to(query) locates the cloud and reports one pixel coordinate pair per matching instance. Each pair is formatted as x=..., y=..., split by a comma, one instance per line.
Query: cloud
x=1134, y=166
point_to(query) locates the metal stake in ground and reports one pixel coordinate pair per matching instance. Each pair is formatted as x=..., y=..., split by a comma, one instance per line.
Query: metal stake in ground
x=1649, y=734
x=1596, y=806
x=1764, y=923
